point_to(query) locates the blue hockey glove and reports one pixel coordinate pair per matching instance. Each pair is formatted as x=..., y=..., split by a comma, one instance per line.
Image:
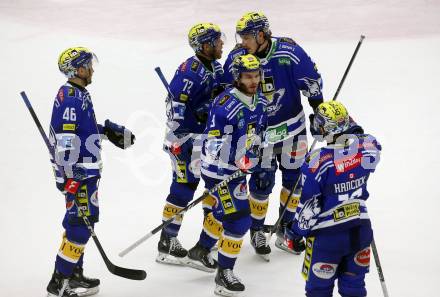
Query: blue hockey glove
x=118, y=135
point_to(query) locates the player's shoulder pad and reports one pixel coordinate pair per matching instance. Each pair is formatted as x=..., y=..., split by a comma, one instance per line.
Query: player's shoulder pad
x=67, y=94
x=190, y=67
x=318, y=158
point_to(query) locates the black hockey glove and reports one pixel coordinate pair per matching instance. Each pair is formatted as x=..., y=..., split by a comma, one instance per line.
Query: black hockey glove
x=118, y=135
x=313, y=131
x=354, y=128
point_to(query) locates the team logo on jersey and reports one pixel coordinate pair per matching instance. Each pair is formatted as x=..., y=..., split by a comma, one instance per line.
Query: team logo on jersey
x=362, y=258
x=71, y=92
x=274, y=104
x=346, y=164
x=61, y=95
x=307, y=216
x=324, y=270
x=313, y=86
x=183, y=66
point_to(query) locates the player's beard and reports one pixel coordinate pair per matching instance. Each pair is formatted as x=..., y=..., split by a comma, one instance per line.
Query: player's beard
x=248, y=90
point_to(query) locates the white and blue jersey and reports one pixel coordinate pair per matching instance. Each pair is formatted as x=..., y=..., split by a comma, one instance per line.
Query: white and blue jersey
x=287, y=71
x=192, y=92
x=334, y=187
x=74, y=134
x=233, y=128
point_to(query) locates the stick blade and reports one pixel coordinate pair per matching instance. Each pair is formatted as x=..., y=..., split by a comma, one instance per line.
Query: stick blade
x=133, y=274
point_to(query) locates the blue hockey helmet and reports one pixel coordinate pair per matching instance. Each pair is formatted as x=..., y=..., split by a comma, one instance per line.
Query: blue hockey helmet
x=204, y=33
x=252, y=23
x=245, y=63
x=72, y=58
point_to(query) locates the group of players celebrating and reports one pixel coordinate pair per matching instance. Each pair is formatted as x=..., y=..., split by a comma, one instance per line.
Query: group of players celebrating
x=243, y=116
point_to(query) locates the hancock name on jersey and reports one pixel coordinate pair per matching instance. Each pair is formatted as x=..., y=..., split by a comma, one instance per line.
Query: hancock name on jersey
x=350, y=185
x=313, y=86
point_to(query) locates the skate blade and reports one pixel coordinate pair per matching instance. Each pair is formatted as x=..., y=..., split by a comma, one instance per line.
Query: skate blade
x=222, y=291
x=87, y=292
x=198, y=266
x=285, y=248
x=265, y=257
x=163, y=258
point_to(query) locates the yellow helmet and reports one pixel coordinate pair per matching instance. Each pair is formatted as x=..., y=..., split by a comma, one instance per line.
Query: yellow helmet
x=252, y=23
x=332, y=116
x=244, y=63
x=203, y=33
x=72, y=58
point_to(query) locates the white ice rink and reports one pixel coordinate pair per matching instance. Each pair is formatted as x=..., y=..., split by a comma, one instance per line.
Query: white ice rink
x=392, y=91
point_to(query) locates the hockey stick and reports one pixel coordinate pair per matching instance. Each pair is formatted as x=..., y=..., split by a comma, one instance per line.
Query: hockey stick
x=133, y=274
x=379, y=269
x=236, y=174
x=289, y=198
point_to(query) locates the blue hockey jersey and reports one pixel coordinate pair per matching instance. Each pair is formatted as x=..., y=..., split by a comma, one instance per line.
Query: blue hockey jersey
x=74, y=134
x=192, y=92
x=334, y=186
x=233, y=129
x=287, y=71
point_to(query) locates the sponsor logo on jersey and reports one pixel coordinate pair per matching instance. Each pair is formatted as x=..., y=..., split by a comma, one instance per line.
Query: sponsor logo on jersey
x=181, y=172
x=284, y=61
x=346, y=164
x=324, y=270
x=195, y=66
x=214, y=133
x=224, y=99
x=362, y=258
x=240, y=191
x=346, y=211
x=94, y=199
x=276, y=134
x=268, y=87
x=226, y=199
x=69, y=127
x=183, y=97
x=241, y=124
x=71, y=92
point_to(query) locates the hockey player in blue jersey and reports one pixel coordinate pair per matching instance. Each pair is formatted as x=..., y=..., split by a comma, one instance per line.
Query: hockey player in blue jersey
x=76, y=138
x=288, y=70
x=194, y=85
x=332, y=213
x=234, y=133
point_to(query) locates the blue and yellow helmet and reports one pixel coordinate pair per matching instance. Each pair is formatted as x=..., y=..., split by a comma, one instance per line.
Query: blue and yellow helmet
x=203, y=33
x=252, y=23
x=72, y=58
x=244, y=63
x=333, y=117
